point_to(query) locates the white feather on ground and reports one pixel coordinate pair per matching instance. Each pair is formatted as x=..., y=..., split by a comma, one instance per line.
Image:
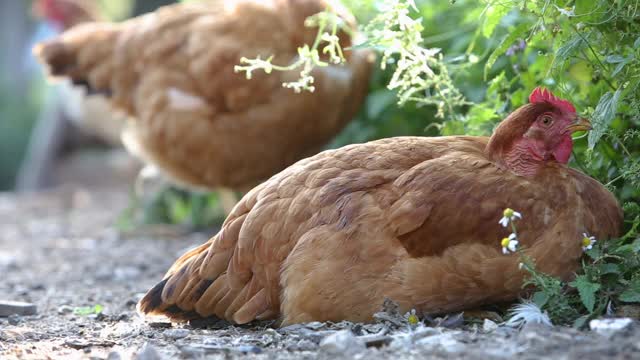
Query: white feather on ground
x=527, y=313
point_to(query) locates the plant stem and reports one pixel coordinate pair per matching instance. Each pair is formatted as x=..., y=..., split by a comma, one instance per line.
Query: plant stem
x=595, y=55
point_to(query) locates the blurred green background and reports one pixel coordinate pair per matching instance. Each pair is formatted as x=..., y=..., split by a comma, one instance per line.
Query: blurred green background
x=24, y=93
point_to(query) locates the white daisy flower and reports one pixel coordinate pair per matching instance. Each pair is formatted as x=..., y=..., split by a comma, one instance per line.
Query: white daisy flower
x=588, y=241
x=509, y=244
x=509, y=215
x=411, y=317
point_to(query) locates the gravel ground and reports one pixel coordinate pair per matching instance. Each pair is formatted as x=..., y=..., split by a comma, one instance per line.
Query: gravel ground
x=60, y=251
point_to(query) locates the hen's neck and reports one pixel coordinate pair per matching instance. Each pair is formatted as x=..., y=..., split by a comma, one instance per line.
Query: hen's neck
x=521, y=159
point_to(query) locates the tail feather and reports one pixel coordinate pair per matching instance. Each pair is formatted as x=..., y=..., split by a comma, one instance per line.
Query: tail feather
x=152, y=303
x=187, y=294
x=85, y=54
x=202, y=283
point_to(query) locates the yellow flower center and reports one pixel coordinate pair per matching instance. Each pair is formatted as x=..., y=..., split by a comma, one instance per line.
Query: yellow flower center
x=508, y=213
x=413, y=319
x=505, y=242
x=586, y=241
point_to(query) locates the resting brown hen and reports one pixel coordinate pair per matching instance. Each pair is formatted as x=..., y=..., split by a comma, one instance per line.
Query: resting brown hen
x=412, y=219
x=195, y=118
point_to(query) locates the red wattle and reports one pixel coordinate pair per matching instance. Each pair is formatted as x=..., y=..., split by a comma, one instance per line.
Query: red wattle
x=562, y=153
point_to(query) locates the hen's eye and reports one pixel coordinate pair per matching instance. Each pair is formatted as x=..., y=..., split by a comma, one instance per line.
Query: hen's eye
x=546, y=120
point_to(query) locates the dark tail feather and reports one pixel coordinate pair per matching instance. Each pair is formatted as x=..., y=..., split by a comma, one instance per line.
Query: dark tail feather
x=84, y=54
x=175, y=296
x=152, y=304
x=57, y=56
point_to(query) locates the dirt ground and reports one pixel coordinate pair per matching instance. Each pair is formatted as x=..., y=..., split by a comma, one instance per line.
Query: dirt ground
x=59, y=250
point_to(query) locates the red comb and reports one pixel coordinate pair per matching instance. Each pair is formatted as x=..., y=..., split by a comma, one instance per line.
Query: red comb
x=539, y=95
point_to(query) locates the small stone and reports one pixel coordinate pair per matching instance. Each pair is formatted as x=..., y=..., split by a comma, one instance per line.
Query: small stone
x=14, y=319
x=303, y=345
x=446, y=341
x=610, y=327
x=315, y=325
x=342, y=342
x=489, y=326
x=65, y=309
x=249, y=349
x=114, y=355
x=176, y=334
x=147, y=352
x=16, y=307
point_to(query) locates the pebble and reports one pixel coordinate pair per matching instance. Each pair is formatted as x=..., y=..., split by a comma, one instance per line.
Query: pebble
x=16, y=307
x=14, y=319
x=303, y=345
x=447, y=341
x=248, y=349
x=176, y=334
x=342, y=342
x=65, y=309
x=147, y=352
x=114, y=355
x=610, y=327
x=489, y=326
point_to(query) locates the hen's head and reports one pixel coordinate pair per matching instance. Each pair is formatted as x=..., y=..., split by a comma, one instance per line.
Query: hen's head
x=536, y=133
x=65, y=14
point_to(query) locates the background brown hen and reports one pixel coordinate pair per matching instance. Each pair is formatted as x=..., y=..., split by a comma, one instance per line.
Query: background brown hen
x=198, y=121
x=77, y=137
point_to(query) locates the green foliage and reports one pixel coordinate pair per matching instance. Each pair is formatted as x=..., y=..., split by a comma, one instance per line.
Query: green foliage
x=610, y=277
x=551, y=295
x=420, y=74
x=172, y=205
x=588, y=52
x=603, y=115
x=88, y=310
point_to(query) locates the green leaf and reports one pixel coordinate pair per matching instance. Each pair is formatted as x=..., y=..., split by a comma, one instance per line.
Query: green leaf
x=587, y=291
x=563, y=53
x=540, y=298
x=603, y=115
x=88, y=310
x=581, y=321
x=608, y=268
x=494, y=12
x=614, y=59
x=509, y=40
x=632, y=293
x=619, y=67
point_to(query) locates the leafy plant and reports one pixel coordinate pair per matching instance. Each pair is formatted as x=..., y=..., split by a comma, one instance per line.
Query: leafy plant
x=88, y=310
x=609, y=277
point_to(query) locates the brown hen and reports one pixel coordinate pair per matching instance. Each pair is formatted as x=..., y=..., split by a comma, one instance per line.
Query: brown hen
x=196, y=119
x=411, y=219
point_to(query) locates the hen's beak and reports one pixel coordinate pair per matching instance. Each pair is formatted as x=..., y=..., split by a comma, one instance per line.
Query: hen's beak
x=580, y=124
